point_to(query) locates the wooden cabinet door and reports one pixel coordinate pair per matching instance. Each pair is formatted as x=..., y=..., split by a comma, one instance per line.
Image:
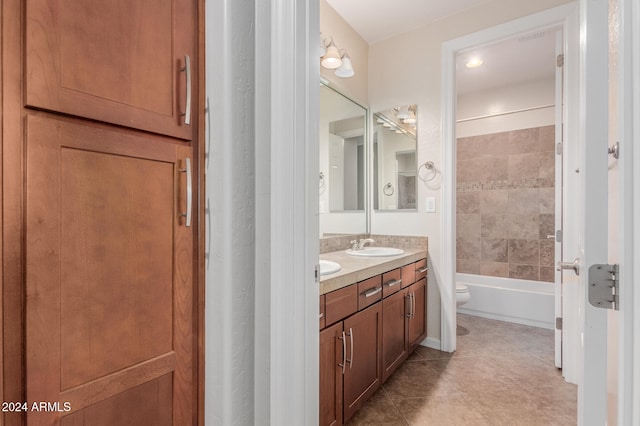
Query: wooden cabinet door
x=116, y=61
x=418, y=319
x=363, y=372
x=394, y=332
x=109, y=299
x=331, y=356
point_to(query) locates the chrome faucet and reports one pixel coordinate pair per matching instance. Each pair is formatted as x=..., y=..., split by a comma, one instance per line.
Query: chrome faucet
x=364, y=242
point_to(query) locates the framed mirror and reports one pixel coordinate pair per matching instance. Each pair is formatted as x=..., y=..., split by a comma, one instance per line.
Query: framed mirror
x=343, y=153
x=394, y=159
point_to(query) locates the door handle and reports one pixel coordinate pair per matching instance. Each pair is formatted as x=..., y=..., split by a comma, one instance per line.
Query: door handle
x=575, y=265
x=187, y=70
x=187, y=170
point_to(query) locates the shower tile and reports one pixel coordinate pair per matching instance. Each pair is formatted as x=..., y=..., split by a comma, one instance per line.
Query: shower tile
x=547, y=165
x=524, y=227
x=524, y=166
x=494, y=226
x=494, y=201
x=495, y=144
x=547, y=252
x=494, y=269
x=547, y=138
x=468, y=226
x=524, y=272
x=547, y=274
x=468, y=202
x=547, y=200
x=524, y=201
x=494, y=250
x=467, y=266
x=524, y=252
x=482, y=168
x=468, y=248
x=547, y=225
x=523, y=141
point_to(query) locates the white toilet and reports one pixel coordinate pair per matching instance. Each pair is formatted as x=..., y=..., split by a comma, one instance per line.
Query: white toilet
x=462, y=294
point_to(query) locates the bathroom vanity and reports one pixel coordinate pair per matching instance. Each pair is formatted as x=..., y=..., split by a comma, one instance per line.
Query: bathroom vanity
x=372, y=316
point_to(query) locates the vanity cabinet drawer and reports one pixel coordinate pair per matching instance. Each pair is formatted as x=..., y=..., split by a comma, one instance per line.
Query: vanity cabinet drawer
x=421, y=269
x=391, y=282
x=369, y=291
x=340, y=304
x=323, y=319
x=408, y=275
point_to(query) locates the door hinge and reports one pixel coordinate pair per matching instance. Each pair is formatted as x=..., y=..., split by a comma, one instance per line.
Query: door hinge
x=603, y=286
x=560, y=60
x=559, y=148
x=559, y=323
x=316, y=269
x=559, y=236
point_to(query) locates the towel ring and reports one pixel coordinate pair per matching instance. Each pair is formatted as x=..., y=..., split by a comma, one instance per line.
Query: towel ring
x=431, y=171
x=388, y=189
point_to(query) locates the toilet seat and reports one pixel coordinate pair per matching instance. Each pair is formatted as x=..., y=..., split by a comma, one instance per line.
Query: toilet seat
x=462, y=294
x=461, y=288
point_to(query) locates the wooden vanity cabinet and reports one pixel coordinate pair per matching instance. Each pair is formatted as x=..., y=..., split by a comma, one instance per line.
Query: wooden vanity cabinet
x=371, y=328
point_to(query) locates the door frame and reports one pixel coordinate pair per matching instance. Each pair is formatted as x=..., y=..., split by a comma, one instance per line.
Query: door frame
x=557, y=16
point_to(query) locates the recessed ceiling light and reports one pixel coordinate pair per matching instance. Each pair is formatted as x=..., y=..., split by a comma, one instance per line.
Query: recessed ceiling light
x=474, y=63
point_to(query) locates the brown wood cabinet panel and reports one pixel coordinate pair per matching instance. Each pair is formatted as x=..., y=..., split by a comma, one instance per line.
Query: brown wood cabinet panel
x=391, y=282
x=418, y=321
x=408, y=275
x=116, y=61
x=109, y=270
x=369, y=291
x=363, y=373
x=341, y=303
x=394, y=333
x=331, y=356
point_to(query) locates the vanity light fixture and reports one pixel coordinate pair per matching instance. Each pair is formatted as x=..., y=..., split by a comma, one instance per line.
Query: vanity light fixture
x=403, y=112
x=346, y=69
x=335, y=59
x=474, y=62
x=331, y=58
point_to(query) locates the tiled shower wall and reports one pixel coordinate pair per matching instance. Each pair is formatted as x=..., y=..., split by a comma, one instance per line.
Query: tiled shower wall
x=506, y=204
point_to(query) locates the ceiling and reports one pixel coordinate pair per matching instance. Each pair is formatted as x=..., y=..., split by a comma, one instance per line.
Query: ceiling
x=526, y=57
x=377, y=20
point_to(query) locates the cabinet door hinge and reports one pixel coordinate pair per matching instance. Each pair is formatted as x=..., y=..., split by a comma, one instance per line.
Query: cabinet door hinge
x=604, y=286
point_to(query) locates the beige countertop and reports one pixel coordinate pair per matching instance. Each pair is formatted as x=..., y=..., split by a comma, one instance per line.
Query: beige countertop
x=356, y=268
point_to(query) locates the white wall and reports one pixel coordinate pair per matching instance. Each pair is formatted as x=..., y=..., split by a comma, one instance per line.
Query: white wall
x=532, y=94
x=418, y=55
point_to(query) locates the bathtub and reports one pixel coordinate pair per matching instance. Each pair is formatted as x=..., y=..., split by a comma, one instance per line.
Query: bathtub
x=508, y=299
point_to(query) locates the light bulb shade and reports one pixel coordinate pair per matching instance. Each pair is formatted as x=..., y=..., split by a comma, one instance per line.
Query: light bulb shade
x=331, y=59
x=403, y=112
x=346, y=69
x=411, y=118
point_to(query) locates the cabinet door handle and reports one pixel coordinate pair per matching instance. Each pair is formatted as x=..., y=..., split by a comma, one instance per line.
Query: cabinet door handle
x=344, y=352
x=187, y=170
x=350, y=334
x=408, y=299
x=423, y=270
x=393, y=283
x=187, y=108
x=372, y=291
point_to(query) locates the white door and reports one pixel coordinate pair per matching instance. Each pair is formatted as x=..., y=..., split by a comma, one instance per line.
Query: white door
x=557, y=237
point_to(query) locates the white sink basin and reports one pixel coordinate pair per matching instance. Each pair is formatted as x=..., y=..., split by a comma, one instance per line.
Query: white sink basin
x=376, y=252
x=328, y=267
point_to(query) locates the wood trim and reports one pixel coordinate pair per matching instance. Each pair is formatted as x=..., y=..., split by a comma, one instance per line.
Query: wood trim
x=12, y=225
x=341, y=303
